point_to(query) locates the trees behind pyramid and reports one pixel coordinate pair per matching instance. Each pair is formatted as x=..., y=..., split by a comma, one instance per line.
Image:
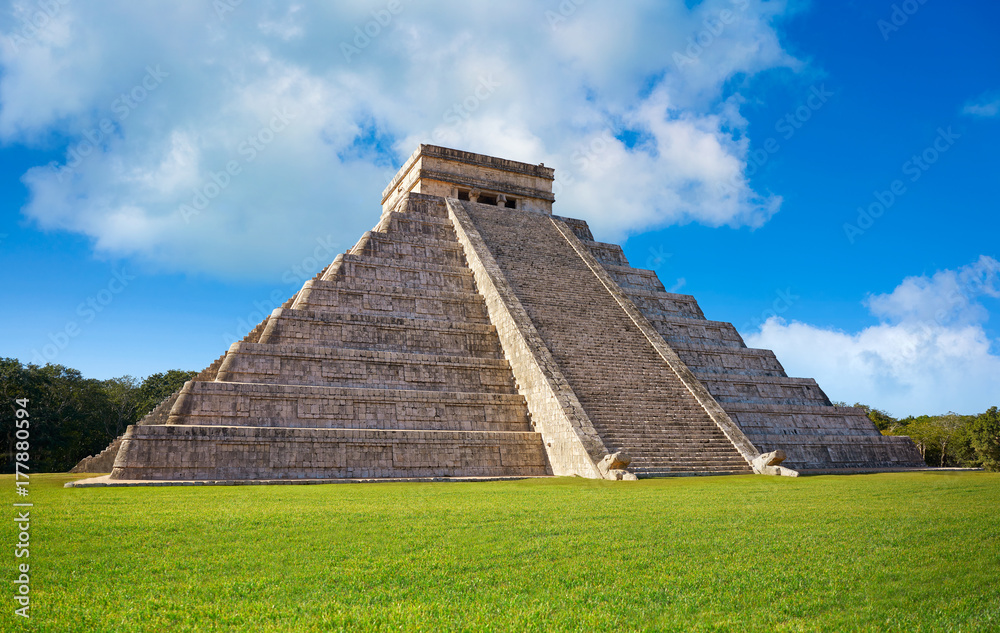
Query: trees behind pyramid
x=472, y=333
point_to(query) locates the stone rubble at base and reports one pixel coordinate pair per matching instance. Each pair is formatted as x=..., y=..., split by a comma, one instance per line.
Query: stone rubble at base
x=472, y=333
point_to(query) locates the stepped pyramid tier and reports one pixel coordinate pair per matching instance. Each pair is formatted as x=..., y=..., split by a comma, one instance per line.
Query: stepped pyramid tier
x=472, y=333
x=774, y=411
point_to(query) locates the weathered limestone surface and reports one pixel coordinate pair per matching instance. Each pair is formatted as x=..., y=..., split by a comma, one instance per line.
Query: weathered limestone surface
x=572, y=442
x=449, y=173
x=635, y=401
x=100, y=463
x=385, y=365
x=199, y=452
x=471, y=333
x=310, y=406
x=777, y=413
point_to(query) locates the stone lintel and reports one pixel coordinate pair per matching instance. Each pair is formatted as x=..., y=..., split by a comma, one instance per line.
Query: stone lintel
x=451, y=173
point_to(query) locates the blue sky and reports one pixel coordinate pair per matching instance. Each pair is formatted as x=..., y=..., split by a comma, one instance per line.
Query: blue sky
x=725, y=144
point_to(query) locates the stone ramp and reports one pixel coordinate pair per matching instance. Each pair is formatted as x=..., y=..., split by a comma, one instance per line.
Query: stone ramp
x=633, y=398
x=384, y=366
x=774, y=410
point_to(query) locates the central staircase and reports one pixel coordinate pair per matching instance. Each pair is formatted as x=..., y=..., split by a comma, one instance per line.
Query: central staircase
x=634, y=400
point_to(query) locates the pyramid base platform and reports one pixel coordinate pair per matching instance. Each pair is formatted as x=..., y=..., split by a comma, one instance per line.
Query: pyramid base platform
x=233, y=453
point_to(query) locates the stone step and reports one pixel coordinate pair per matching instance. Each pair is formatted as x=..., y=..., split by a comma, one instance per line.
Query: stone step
x=692, y=469
x=401, y=240
x=422, y=204
x=677, y=460
x=744, y=361
x=649, y=451
x=676, y=439
x=412, y=248
x=306, y=406
x=436, y=228
x=658, y=303
x=807, y=452
x=730, y=388
x=383, y=333
x=680, y=460
x=667, y=456
x=683, y=432
x=232, y=452
x=653, y=474
x=405, y=273
x=683, y=427
x=579, y=227
x=352, y=296
x=664, y=426
x=800, y=420
x=311, y=365
x=680, y=331
x=607, y=253
x=686, y=340
x=629, y=277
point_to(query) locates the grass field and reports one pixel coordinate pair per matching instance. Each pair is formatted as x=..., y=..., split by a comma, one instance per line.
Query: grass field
x=907, y=552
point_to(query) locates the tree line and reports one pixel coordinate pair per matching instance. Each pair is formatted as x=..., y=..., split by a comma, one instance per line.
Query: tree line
x=72, y=416
x=966, y=441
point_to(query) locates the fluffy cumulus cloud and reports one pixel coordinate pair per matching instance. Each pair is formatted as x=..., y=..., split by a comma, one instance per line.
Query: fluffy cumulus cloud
x=929, y=352
x=223, y=136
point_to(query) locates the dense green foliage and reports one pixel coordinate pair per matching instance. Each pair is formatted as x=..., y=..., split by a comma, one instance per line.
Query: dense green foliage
x=72, y=416
x=965, y=441
x=889, y=552
x=984, y=433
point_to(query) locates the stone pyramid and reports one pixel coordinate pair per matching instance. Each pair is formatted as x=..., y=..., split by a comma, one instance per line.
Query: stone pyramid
x=472, y=333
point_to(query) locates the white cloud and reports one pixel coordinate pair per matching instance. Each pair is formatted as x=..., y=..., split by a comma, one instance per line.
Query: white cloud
x=929, y=354
x=563, y=94
x=986, y=105
x=947, y=297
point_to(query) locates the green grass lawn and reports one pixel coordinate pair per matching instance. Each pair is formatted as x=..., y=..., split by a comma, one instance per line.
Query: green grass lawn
x=907, y=552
